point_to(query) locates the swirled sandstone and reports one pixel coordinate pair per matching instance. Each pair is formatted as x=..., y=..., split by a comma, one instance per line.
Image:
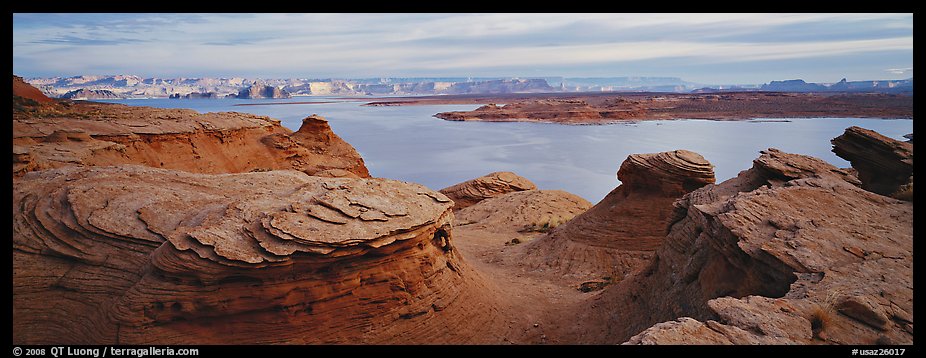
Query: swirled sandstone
x=132, y=254
x=621, y=232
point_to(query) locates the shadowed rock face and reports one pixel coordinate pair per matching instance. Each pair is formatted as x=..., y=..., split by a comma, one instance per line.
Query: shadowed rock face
x=620, y=233
x=133, y=255
x=488, y=186
x=884, y=165
x=790, y=251
x=56, y=135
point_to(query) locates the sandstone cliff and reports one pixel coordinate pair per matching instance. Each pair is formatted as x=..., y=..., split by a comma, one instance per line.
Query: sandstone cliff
x=790, y=251
x=258, y=91
x=68, y=133
x=487, y=186
x=620, y=233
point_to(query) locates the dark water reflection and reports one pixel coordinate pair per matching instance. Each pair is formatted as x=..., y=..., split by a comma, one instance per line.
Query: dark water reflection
x=407, y=143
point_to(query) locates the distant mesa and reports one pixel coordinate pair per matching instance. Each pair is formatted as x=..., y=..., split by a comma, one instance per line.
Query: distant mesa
x=85, y=94
x=501, y=86
x=798, y=85
x=793, y=86
x=195, y=95
x=258, y=91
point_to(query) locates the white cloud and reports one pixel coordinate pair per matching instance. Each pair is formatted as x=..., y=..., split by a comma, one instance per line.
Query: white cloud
x=900, y=71
x=344, y=44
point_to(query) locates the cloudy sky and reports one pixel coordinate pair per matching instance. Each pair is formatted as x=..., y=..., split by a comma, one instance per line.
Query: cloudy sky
x=704, y=48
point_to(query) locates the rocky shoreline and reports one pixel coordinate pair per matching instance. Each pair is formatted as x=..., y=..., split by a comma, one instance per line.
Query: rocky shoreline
x=610, y=108
x=136, y=225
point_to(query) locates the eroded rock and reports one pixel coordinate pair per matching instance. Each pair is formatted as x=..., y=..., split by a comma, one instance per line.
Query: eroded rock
x=132, y=254
x=779, y=230
x=884, y=165
x=488, y=186
x=620, y=233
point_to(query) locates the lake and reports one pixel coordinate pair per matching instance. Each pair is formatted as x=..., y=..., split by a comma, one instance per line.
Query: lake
x=408, y=143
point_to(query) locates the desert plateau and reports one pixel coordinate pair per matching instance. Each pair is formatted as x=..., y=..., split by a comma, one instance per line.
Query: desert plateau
x=288, y=184
x=136, y=225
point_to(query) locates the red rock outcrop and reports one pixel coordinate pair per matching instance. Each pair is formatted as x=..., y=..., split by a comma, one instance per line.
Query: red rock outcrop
x=68, y=133
x=884, y=165
x=616, y=107
x=487, y=186
x=134, y=255
x=790, y=251
x=25, y=90
x=620, y=233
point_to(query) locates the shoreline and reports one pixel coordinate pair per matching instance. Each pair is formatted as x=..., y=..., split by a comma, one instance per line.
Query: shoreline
x=623, y=107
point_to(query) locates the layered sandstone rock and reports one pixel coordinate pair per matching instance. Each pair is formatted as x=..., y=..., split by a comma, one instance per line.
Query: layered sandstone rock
x=621, y=232
x=884, y=165
x=132, y=255
x=790, y=251
x=487, y=186
x=59, y=134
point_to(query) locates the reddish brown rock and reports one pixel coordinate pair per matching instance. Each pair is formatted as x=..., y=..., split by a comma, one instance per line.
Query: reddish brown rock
x=488, y=186
x=616, y=107
x=884, y=165
x=764, y=253
x=25, y=90
x=60, y=134
x=621, y=232
x=137, y=255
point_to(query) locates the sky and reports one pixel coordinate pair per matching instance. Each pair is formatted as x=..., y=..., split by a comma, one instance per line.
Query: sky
x=702, y=48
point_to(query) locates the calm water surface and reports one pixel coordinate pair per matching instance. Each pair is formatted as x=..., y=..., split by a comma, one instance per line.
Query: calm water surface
x=408, y=143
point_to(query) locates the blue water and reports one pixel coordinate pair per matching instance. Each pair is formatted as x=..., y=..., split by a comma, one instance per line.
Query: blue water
x=408, y=143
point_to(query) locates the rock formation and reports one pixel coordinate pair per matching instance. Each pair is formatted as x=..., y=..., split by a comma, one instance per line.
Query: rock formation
x=487, y=186
x=620, y=233
x=58, y=134
x=137, y=255
x=25, y=90
x=605, y=108
x=196, y=95
x=884, y=165
x=84, y=94
x=530, y=211
x=790, y=251
x=258, y=91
